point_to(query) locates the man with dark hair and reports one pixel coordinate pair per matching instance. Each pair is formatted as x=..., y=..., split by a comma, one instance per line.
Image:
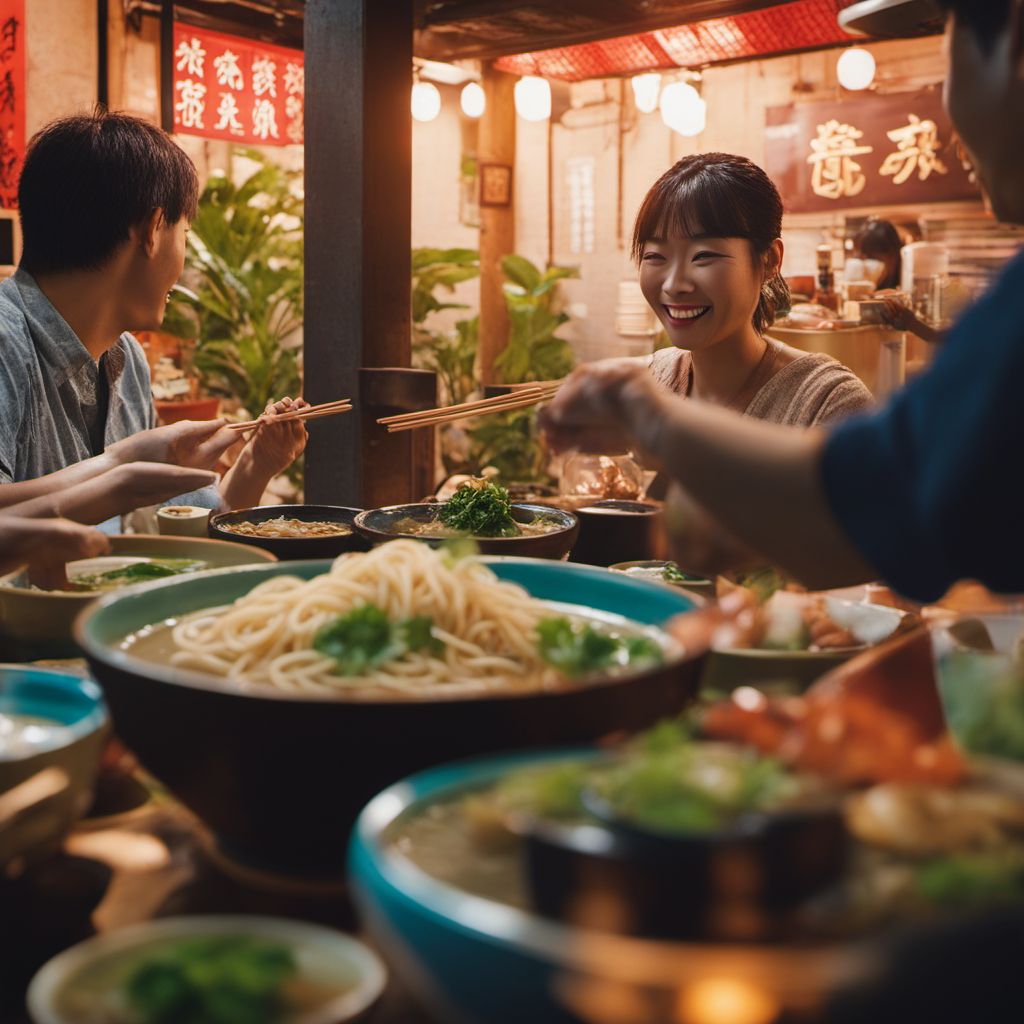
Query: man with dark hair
x=926, y=491
x=105, y=204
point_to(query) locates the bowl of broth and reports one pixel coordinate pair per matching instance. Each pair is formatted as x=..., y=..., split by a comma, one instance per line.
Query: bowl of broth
x=540, y=531
x=272, y=970
x=615, y=531
x=52, y=729
x=37, y=624
x=342, y=677
x=292, y=532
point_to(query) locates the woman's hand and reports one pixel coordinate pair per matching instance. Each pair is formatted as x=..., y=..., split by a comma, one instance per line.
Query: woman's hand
x=606, y=408
x=119, y=490
x=46, y=546
x=275, y=446
x=903, y=318
x=196, y=444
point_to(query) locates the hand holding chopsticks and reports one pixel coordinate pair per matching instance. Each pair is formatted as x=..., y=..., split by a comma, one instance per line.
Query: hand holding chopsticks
x=521, y=397
x=311, y=412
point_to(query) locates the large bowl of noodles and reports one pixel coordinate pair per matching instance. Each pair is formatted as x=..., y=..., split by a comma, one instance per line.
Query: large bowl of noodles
x=245, y=693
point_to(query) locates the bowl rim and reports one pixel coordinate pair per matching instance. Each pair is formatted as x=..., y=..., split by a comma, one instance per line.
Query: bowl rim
x=372, y=974
x=570, y=521
x=96, y=718
x=216, y=518
x=189, y=679
x=8, y=589
x=503, y=925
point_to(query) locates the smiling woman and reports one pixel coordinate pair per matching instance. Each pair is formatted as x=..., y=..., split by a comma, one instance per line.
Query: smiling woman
x=707, y=243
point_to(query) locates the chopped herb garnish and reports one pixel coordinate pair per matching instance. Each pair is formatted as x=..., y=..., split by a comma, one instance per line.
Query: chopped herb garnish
x=365, y=638
x=580, y=649
x=136, y=572
x=481, y=509
x=216, y=980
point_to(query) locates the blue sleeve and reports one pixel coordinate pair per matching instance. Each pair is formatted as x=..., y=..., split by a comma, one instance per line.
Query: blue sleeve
x=929, y=489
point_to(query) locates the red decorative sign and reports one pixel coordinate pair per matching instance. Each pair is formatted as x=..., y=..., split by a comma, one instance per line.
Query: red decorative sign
x=241, y=90
x=12, y=99
x=883, y=150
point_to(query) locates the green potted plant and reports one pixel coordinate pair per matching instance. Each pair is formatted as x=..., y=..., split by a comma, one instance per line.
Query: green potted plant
x=242, y=301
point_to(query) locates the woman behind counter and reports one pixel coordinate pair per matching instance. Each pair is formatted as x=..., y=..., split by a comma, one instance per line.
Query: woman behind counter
x=707, y=244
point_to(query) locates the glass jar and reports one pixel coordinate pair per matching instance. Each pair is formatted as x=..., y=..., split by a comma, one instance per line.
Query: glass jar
x=602, y=476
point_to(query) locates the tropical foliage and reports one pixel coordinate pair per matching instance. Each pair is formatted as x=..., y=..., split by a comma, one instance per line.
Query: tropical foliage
x=243, y=297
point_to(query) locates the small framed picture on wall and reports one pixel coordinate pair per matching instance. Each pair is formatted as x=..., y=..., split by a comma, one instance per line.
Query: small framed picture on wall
x=495, y=184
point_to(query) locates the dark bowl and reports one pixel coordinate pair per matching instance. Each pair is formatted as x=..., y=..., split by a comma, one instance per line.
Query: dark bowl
x=742, y=882
x=379, y=525
x=290, y=549
x=279, y=778
x=616, y=531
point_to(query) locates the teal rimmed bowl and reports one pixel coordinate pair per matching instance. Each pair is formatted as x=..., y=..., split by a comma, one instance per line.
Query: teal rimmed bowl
x=279, y=778
x=44, y=790
x=480, y=961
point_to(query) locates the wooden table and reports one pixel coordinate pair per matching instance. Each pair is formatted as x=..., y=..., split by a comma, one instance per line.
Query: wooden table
x=152, y=861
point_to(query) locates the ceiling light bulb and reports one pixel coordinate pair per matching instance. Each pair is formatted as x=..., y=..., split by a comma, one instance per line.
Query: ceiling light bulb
x=533, y=98
x=855, y=69
x=645, y=91
x=682, y=109
x=472, y=100
x=426, y=101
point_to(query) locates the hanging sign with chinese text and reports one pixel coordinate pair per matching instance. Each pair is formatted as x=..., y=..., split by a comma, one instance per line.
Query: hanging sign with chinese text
x=12, y=99
x=884, y=150
x=240, y=90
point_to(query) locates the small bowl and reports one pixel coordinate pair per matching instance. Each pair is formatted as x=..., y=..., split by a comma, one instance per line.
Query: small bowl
x=379, y=525
x=328, y=957
x=616, y=531
x=182, y=521
x=741, y=882
x=699, y=584
x=55, y=782
x=291, y=549
x=37, y=624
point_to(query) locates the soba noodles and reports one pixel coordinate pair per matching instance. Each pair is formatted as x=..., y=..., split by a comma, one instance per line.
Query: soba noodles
x=290, y=528
x=487, y=626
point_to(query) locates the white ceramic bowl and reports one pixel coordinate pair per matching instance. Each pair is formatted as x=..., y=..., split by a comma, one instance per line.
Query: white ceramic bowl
x=322, y=952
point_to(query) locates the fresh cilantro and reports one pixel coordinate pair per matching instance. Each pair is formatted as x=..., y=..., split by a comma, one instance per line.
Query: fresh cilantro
x=365, y=638
x=480, y=509
x=578, y=650
x=216, y=980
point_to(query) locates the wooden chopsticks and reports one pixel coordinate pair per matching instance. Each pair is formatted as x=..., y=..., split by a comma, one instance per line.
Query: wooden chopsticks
x=312, y=412
x=521, y=397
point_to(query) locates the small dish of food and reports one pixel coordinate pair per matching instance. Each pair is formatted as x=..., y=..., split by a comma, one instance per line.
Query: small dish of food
x=292, y=532
x=36, y=623
x=669, y=573
x=231, y=969
x=481, y=511
x=789, y=638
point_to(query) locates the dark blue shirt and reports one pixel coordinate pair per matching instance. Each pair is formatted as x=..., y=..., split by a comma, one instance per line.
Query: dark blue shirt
x=931, y=488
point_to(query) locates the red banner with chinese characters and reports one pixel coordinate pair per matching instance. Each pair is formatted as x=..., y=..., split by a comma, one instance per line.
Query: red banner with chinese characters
x=12, y=99
x=883, y=150
x=240, y=90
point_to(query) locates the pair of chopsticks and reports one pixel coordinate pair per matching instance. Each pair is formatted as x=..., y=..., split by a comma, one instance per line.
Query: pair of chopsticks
x=313, y=412
x=521, y=397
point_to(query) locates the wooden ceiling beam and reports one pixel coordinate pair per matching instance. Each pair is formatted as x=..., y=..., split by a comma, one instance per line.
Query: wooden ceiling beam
x=460, y=29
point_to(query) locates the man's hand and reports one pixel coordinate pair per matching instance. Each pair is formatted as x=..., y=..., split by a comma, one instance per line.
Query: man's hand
x=595, y=409
x=46, y=546
x=196, y=444
x=275, y=446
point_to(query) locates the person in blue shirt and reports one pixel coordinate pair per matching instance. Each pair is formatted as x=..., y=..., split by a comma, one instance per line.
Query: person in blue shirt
x=922, y=493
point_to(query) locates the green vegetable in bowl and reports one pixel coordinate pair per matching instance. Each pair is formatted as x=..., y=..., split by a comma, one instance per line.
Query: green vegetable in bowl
x=670, y=783
x=969, y=880
x=365, y=637
x=481, y=509
x=580, y=649
x=136, y=572
x=216, y=980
